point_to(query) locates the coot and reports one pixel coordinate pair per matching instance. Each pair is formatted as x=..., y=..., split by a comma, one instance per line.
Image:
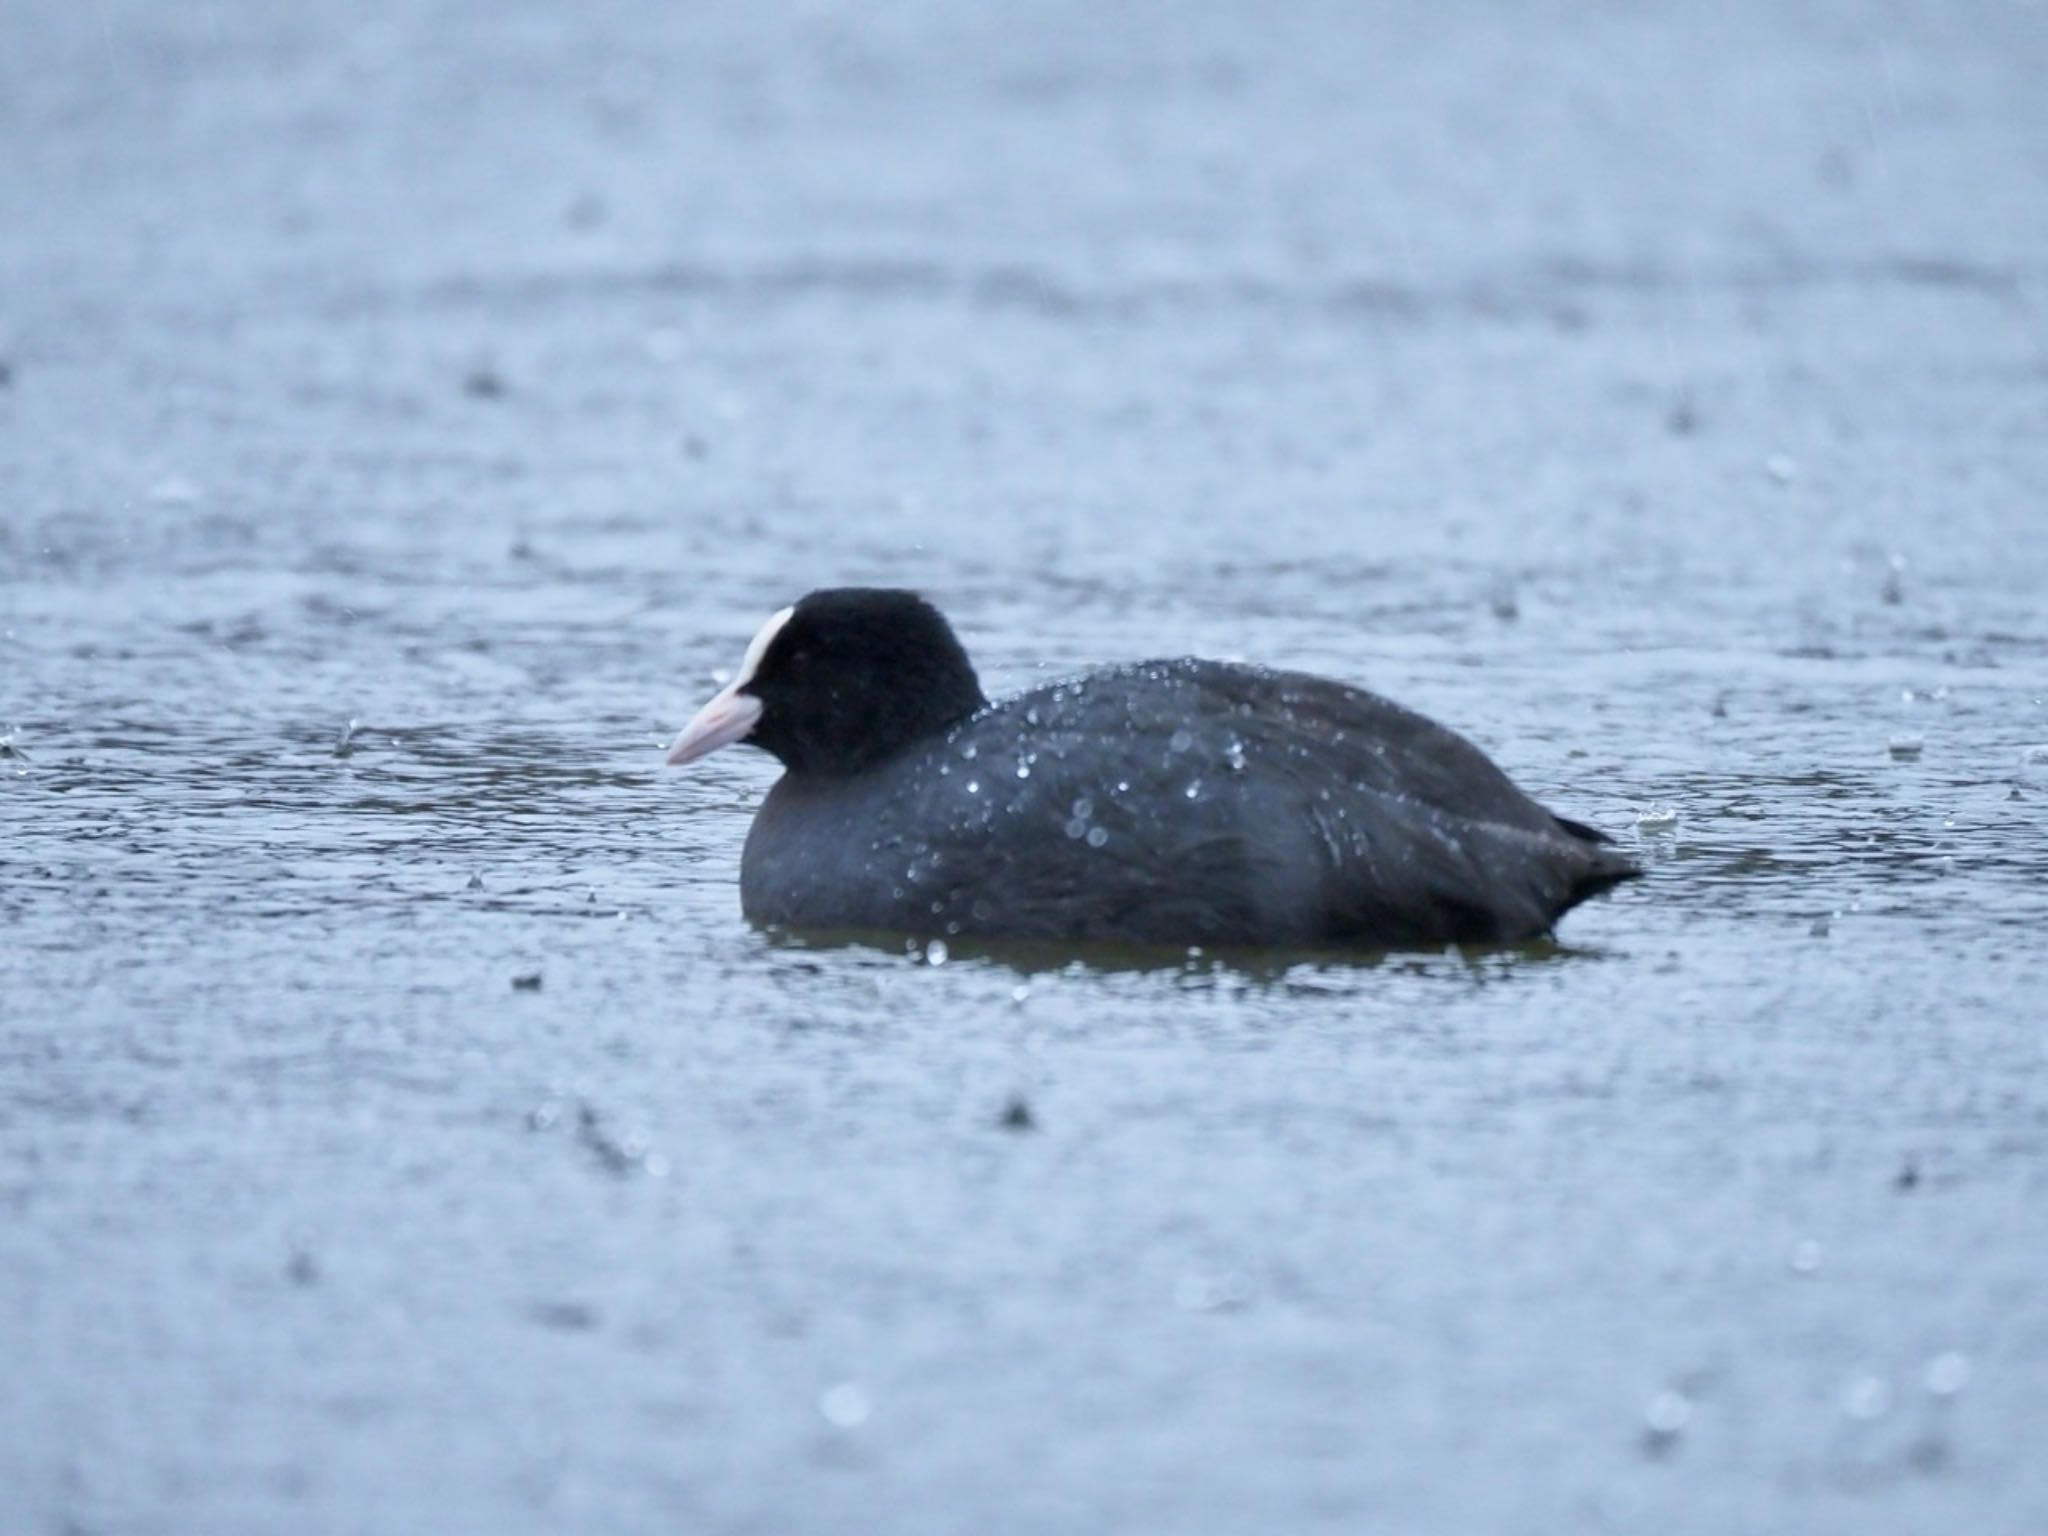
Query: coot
x=1175, y=802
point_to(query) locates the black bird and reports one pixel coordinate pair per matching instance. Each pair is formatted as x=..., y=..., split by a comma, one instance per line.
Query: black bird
x=1168, y=802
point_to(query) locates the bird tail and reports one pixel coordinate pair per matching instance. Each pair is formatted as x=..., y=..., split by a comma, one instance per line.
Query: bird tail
x=1606, y=867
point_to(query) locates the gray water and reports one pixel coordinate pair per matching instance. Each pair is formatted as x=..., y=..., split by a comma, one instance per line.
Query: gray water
x=406, y=413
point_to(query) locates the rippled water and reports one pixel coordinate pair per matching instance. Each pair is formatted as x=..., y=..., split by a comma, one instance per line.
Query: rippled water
x=400, y=1128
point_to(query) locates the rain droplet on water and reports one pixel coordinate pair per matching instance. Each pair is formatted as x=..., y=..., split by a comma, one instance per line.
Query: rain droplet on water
x=1076, y=827
x=1865, y=1397
x=1194, y=789
x=1023, y=770
x=935, y=952
x=174, y=491
x=1947, y=1373
x=1234, y=755
x=1181, y=740
x=1083, y=808
x=1667, y=1415
x=974, y=786
x=845, y=1405
x=1097, y=836
x=1212, y=1293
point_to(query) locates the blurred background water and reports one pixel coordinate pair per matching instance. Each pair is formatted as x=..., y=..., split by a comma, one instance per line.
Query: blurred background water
x=407, y=410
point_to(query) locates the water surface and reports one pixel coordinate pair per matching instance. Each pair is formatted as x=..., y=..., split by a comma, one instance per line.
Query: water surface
x=409, y=414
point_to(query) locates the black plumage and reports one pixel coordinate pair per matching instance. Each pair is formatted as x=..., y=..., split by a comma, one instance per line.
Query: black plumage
x=1176, y=802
